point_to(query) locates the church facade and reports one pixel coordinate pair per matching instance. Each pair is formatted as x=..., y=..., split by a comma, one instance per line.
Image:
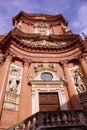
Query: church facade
x=43, y=74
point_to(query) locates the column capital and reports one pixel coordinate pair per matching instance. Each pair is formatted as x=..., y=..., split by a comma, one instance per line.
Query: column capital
x=80, y=57
x=9, y=55
x=64, y=63
x=26, y=62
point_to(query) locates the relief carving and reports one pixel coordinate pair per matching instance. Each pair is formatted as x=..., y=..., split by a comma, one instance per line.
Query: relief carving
x=14, y=81
x=40, y=17
x=79, y=81
x=44, y=66
x=12, y=94
x=43, y=43
x=42, y=28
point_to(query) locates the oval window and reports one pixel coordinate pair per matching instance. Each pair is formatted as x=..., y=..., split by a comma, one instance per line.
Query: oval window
x=46, y=76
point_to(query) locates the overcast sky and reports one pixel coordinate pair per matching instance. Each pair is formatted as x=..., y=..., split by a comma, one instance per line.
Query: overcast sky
x=74, y=11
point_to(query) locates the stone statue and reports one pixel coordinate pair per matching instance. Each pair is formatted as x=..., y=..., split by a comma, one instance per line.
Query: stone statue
x=18, y=24
x=79, y=81
x=14, y=82
x=65, y=28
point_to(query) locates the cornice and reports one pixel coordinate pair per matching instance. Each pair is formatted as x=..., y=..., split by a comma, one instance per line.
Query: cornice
x=6, y=39
x=3, y=36
x=39, y=17
x=20, y=33
x=39, y=82
x=37, y=43
x=81, y=57
x=54, y=45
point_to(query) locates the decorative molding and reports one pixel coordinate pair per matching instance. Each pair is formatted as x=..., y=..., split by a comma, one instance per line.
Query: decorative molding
x=44, y=43
x=9, y=54
x=38, y=80
x=80, y=57
x=35, y=96
x=37, y=43
x=40, y=17
x=44, y=66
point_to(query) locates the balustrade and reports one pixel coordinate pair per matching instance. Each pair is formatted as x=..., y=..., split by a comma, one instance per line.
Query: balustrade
x=53, y=119
x=83, y=97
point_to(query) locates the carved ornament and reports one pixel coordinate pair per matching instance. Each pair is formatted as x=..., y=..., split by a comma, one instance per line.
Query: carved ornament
x=40, y=17
x=80, y=57
x=44, y=43
x=9, y=55
x=79, y=80
x=45, y=66
x=13, y=88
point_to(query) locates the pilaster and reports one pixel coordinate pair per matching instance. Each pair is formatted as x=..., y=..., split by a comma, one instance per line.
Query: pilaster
x=4, y=77
x=83, y=65
x=24, y=110
x=71, y=91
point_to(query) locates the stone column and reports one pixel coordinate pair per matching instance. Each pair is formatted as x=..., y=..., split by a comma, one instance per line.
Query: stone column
x=71, y=91
x=4, y=78
x=83, y=65
x=24, y=94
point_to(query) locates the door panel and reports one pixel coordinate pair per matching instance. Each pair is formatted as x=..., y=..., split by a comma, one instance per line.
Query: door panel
x=53, y=98
x=43, y=98
x=48, y=101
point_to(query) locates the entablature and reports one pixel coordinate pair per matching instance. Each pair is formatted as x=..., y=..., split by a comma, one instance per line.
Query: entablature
x=23, y=44
x=55, y=44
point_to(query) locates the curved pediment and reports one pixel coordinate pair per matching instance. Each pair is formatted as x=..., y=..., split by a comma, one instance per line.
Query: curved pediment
x=41, y=17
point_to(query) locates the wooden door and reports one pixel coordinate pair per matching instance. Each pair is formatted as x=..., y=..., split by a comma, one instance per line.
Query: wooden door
x=48, y=101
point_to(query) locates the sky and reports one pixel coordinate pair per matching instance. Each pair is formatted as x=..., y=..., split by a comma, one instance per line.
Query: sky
x=74, y=11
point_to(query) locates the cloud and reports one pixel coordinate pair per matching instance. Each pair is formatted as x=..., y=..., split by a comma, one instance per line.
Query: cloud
x=80, y=22
x=9, y=9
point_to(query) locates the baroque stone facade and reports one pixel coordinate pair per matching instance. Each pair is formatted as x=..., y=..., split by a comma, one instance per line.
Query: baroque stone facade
x=43, y=68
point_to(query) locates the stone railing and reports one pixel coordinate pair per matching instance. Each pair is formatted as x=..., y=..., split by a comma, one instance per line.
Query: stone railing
x=11, y=100
x=83, y=97
x=53, y=119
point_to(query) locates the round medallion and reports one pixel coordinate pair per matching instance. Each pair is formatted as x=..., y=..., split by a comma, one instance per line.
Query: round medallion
x=46, y=76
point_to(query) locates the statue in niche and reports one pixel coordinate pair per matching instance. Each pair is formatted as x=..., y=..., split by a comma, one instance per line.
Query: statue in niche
x=14, y=81
x=79, y=81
